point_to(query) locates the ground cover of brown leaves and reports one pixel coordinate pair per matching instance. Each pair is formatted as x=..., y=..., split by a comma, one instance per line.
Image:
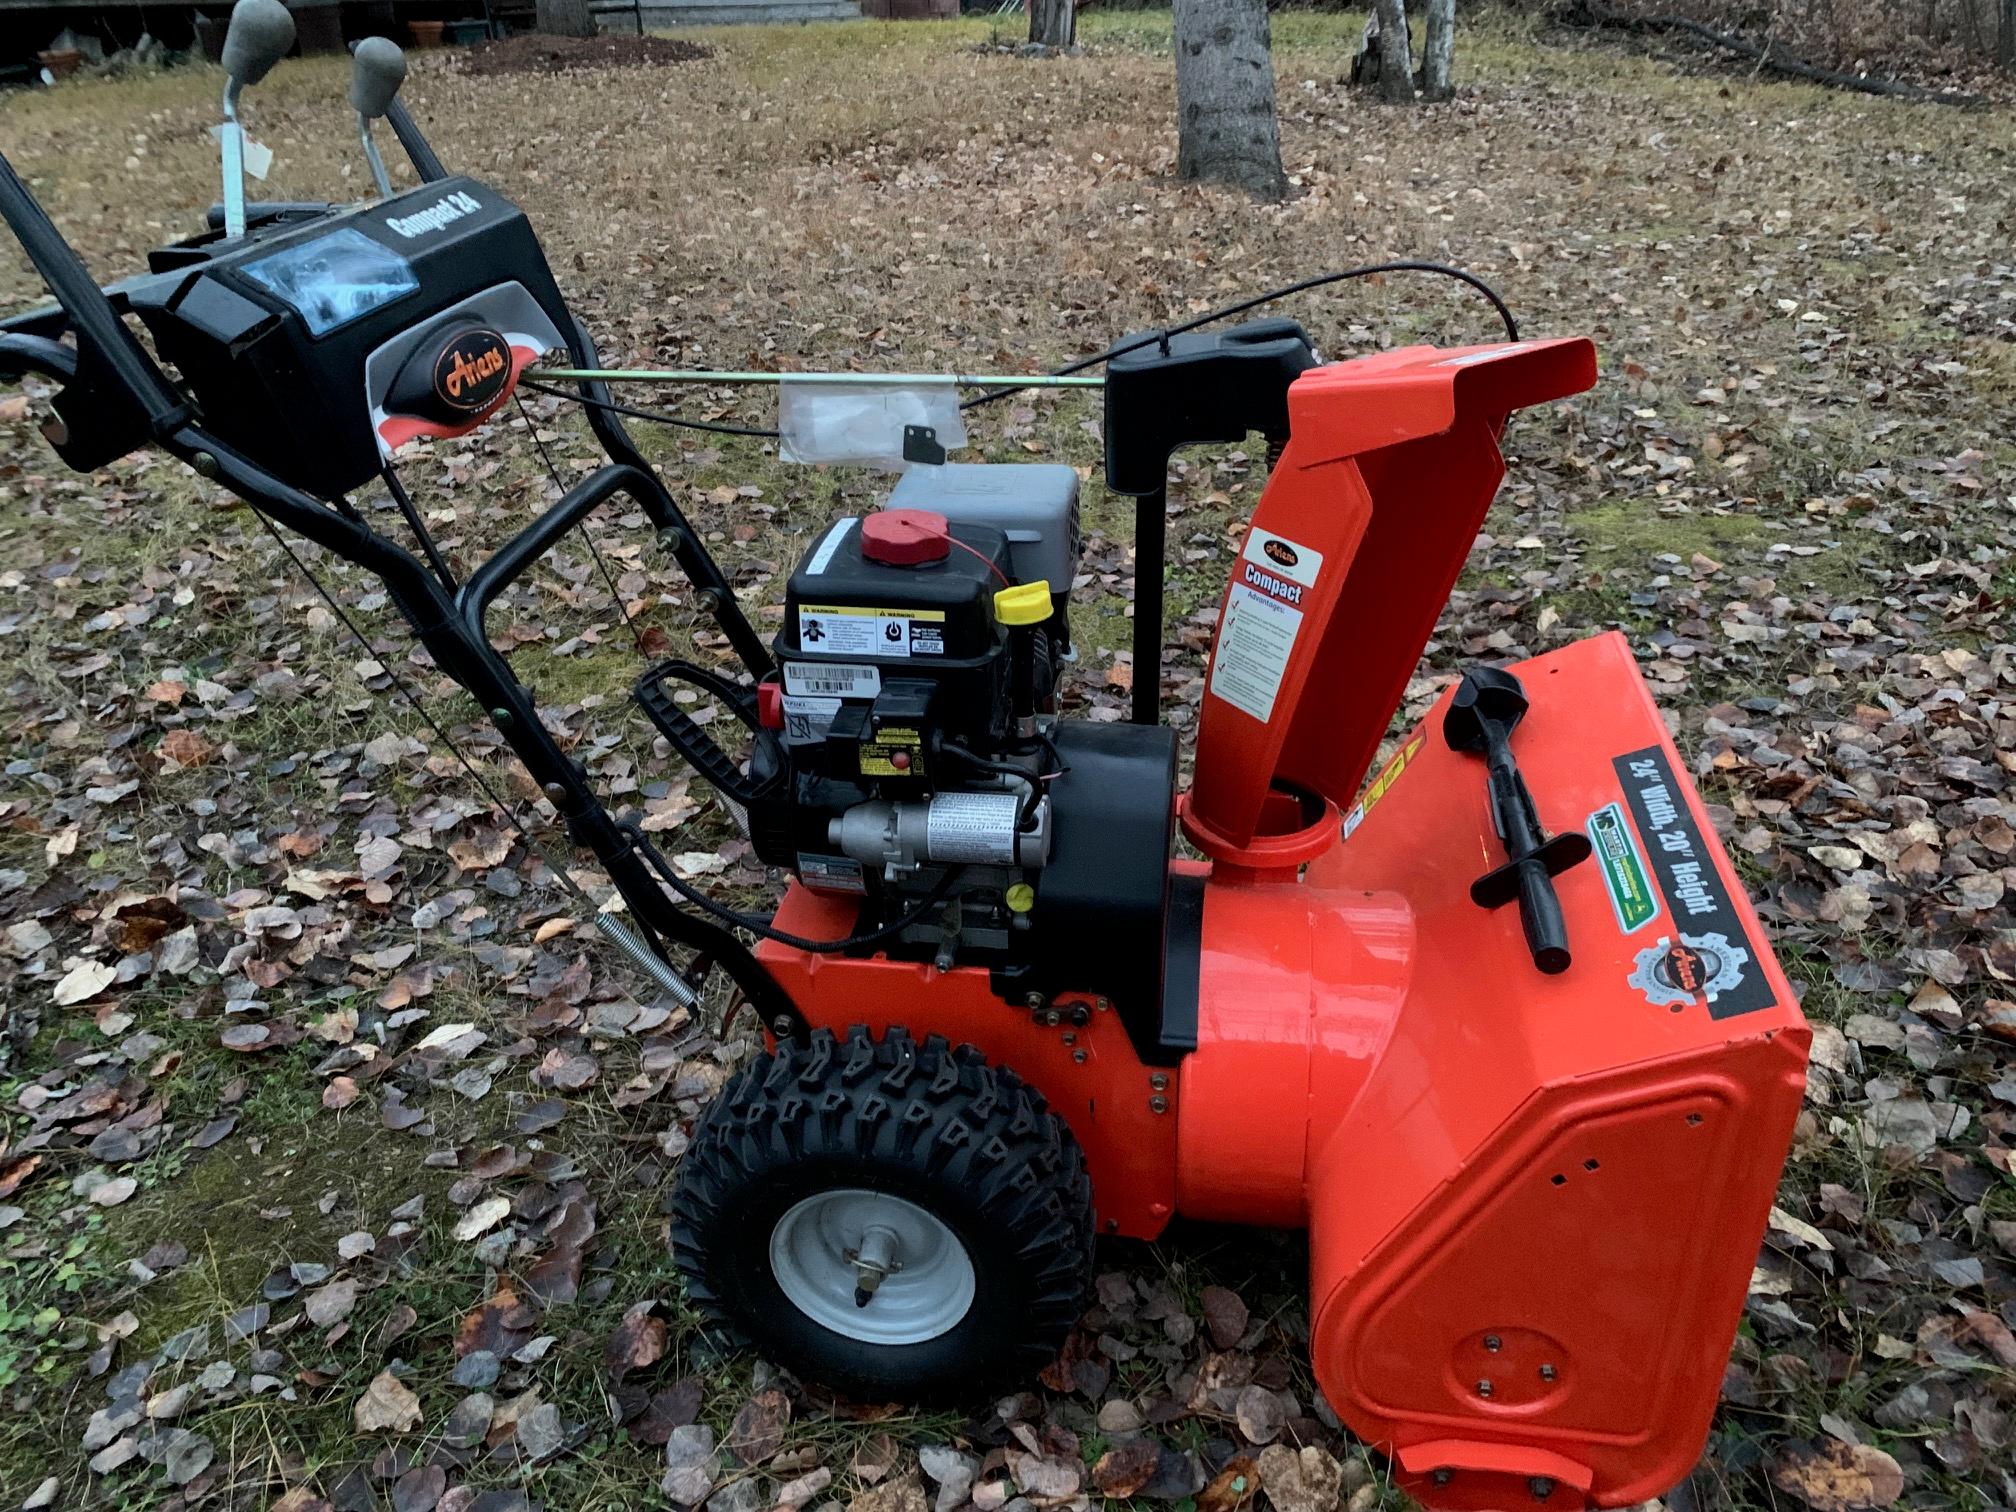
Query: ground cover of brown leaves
x=536, y=54
x=332, y=1151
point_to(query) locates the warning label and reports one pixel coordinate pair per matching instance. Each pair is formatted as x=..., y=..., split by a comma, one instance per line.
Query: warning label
x=847, y=631
x=972, y=827
x=1254, y=646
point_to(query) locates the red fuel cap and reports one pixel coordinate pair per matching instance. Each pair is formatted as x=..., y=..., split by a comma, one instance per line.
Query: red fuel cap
x=906, y=537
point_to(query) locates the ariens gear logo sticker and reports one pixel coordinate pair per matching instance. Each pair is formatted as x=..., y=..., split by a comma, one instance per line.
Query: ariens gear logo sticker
x=1676, y=972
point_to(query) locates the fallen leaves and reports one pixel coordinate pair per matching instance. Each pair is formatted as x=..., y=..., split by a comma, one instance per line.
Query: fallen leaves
x=1835, y=1477
x=387, y=1406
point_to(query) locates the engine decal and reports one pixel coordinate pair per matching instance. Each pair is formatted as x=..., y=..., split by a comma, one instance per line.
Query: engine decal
x=823, y=557
x=1624, y=876
x=832, y=679
x=849, y=630
x=1709, y=956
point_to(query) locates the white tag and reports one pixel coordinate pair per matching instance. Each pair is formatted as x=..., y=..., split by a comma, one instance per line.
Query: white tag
x=832, y=679
x=256, y=157
x=1254, y=645
x=808, y=718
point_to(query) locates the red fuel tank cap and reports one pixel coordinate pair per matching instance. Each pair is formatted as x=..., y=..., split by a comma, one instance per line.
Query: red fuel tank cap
x=906, y=537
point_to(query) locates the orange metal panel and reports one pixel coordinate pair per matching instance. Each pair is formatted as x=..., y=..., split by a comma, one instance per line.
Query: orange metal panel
x=1576, y=1167
x=1090, y=1075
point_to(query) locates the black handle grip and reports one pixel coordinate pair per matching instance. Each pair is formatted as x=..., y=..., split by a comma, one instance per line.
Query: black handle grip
x=1540, y=913
x=695, y=746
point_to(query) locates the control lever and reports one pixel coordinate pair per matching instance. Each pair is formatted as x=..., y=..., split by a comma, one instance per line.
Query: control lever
x=1481, y=718
x=261, y=34
x=377, y=69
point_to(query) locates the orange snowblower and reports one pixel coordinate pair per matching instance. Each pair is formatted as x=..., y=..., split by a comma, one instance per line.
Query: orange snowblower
x=1497, y=1025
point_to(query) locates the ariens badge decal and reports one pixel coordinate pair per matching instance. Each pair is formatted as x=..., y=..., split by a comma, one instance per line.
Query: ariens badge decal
x=1690, y=968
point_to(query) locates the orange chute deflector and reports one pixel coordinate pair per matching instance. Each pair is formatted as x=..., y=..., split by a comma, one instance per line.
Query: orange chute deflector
x=1391, y=463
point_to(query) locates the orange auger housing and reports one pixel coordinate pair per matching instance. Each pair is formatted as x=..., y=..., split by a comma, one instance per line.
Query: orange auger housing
x=1533, y=1200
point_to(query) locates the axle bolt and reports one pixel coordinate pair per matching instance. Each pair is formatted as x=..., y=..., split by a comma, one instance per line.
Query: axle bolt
x=1491, y=1342
x=1080, y=1015
x=1159, y=1082
x=671, y=538
x=1548, y=1372
x=781, y=1026
x=1541, y=1486
x=1158, y=1104
x=1484, y=1388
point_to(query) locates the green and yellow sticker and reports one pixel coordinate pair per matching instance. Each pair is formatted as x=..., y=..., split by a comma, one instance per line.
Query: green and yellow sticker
x=1624, y=875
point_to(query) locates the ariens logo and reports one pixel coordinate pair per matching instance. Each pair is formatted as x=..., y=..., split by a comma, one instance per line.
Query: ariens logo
x=472, y=369
x=444, y=211
x=1281, y=552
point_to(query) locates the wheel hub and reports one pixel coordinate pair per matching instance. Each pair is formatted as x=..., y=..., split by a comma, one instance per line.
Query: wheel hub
x=871, y=1266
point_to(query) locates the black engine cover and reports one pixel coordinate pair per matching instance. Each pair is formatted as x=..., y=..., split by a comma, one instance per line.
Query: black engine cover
x=1101, y=920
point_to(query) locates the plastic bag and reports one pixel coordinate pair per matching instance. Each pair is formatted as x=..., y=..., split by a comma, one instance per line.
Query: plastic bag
x=862, y=423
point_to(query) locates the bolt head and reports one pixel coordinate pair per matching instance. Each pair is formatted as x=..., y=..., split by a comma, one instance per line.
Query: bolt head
x=781, y=1027
x=1492, y=1343
x=1078, y=1056
x=1541, y=1486
x=1158, y=1104
x=1548, y=1372
x=205, y=464
x=1159, y=1081
x=1443, y=1476
x=1484, y=1388
x=1032, y=1000
x=554, y=790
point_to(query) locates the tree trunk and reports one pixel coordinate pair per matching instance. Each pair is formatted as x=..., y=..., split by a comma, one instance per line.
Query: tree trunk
x=2005, y=36
x=1053, y=23
x=1226, y=131
x=1438, y=50
x=564, y=18
x=1396, y=62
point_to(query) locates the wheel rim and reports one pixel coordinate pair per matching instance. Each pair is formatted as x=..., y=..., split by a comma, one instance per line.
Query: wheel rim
x=818, y=1247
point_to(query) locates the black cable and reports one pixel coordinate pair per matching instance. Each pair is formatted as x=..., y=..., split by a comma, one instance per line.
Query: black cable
x=1026, y=810
x=758, y=926
x=581, y=525
x=418, y=526
x=1225, y=312
x=657, y=416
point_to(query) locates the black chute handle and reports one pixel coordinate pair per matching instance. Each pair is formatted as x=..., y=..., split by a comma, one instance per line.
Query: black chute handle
x=1482, y=716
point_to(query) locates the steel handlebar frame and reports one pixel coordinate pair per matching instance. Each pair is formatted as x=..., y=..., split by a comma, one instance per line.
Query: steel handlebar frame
x=449, y=623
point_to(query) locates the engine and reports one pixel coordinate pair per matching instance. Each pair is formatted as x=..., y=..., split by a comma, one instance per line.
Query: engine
x=916, y=704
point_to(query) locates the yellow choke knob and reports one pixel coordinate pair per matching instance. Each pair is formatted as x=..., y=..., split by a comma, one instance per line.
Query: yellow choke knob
x=1024, y=604
x=1020, y=897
